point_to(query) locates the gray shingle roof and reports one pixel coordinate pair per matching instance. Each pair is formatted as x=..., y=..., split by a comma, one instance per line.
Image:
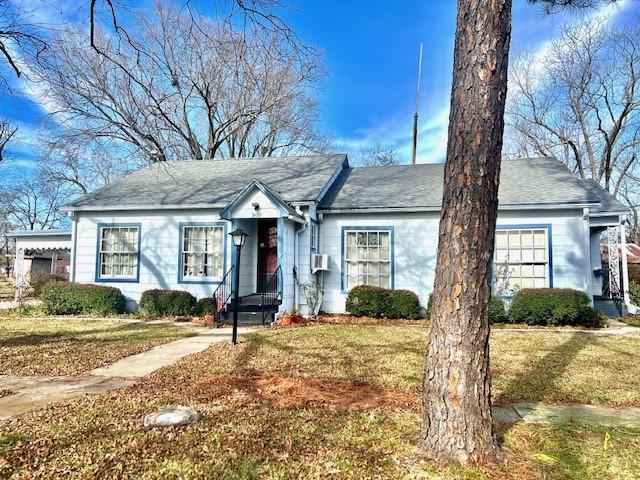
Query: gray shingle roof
x=608, y=202
x=215, y=182
x=527, y=181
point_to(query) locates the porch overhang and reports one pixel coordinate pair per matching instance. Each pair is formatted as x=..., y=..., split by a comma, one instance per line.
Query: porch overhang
x=255, y=198
x=42, y=240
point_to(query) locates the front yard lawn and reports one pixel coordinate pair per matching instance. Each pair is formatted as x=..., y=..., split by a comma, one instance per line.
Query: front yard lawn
x=30, y=346
x=331, y=401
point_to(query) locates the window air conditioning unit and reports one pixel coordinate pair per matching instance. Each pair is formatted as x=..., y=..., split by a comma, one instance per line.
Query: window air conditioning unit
x=320, y=262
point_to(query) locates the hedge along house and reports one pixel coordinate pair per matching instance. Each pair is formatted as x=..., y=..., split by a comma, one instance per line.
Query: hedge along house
x=316, y=220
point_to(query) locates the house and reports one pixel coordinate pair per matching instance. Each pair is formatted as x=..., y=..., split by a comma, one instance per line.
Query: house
x=40, y=252
x=633, y=252
x=167, y=226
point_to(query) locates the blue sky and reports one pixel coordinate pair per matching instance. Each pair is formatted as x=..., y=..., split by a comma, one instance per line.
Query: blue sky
x=370, y=50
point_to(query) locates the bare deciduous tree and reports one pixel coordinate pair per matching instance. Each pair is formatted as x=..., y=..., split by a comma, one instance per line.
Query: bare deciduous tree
x=80, y=170
x=377, y=155
x=581, y=103
x=7, y=134
x=18, y=39
x=33, y=204
x=183, y=87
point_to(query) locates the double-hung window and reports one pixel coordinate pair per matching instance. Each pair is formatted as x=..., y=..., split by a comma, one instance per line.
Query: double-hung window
x=118, y=252
x=521, y=259
x=368, y=257
x=202, y=252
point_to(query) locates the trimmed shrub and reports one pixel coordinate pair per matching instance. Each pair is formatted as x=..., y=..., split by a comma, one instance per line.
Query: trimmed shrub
x=205, y=306
x=497, y=312
x=167, y=303
x=367, y=300
x=62, y=298
x=39, y=280
x=634, y=273
x=553, y=306
x=370, y=301
x=403, y=304
x=634, y=292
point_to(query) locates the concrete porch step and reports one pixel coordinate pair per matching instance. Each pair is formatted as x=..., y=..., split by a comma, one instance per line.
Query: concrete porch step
x=608, y=307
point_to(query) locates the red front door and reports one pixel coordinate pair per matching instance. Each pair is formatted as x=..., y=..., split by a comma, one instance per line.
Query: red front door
x=267, y=251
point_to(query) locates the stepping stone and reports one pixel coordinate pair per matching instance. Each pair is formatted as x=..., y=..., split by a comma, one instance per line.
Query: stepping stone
x=171, y=416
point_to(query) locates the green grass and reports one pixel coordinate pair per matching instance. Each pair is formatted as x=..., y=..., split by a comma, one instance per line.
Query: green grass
x=576, y=451
x=31, y=346
x=570, y=367
x=243, y=434
x=633, y=320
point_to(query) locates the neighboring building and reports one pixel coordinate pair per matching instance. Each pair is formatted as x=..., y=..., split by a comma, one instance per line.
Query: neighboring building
x=40, y=252
x=633, y=252
x=167, y=226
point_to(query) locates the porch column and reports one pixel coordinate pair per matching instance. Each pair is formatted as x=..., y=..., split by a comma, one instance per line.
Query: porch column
x=614, y=261
x=54, y=261
x=625, y=271
x=586, y=231
x=18, y=273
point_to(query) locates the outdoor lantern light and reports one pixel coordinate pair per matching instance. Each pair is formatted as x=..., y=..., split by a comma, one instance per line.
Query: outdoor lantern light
x=238, y=236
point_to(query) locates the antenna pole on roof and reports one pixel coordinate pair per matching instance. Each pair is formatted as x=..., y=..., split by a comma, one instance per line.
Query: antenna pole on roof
x=415, y=116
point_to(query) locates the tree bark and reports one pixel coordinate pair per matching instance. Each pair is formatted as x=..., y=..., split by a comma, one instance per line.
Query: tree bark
x=457, y=422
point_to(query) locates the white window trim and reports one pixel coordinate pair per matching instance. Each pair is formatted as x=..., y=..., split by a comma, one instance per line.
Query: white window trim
x=548, y=277
x=100, y=252
x=346, y=231
x=182, y=277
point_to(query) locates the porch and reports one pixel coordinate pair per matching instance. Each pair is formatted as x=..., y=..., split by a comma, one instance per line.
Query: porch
x=264, y=263
x=609, y=272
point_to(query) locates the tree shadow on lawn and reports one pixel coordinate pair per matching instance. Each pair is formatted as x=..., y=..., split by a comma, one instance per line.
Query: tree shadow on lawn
x=350, y=358
x=540, y=378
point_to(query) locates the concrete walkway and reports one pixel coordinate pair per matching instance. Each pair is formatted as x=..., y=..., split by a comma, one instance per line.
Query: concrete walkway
x=144, y=363
x=549, y=413
x=35, y=392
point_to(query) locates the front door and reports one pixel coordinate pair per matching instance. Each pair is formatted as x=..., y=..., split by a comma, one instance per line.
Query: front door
x=267, y=251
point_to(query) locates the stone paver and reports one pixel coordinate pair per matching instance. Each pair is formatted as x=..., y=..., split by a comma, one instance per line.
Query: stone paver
x=36, y=392
x=549, y=413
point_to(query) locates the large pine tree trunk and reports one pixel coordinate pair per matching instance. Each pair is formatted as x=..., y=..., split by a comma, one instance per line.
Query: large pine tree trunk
x=457, y=422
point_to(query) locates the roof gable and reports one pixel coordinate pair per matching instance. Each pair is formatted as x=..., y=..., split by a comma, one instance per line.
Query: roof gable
x=246, y=204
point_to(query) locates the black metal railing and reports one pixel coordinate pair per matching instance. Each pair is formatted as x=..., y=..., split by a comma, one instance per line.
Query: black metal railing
x=611, y=289
x=271, y=294
x=222, y=295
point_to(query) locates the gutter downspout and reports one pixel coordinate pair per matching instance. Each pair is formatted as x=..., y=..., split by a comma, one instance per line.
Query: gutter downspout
x=296, y=248
x=586, y=229
x=74, y=241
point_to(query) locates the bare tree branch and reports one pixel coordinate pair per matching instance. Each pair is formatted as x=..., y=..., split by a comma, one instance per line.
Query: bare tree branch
x=7, y=134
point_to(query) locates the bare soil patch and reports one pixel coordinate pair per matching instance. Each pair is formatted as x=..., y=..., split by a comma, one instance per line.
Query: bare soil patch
x=288, y=392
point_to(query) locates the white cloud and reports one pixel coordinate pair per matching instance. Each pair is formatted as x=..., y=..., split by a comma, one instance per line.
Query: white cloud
x=397, y=133
x=433, y=131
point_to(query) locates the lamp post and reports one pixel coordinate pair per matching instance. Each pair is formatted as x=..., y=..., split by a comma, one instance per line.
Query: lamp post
x=238, y=236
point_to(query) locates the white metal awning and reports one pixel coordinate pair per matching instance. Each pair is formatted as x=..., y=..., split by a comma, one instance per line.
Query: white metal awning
x=42, y=239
